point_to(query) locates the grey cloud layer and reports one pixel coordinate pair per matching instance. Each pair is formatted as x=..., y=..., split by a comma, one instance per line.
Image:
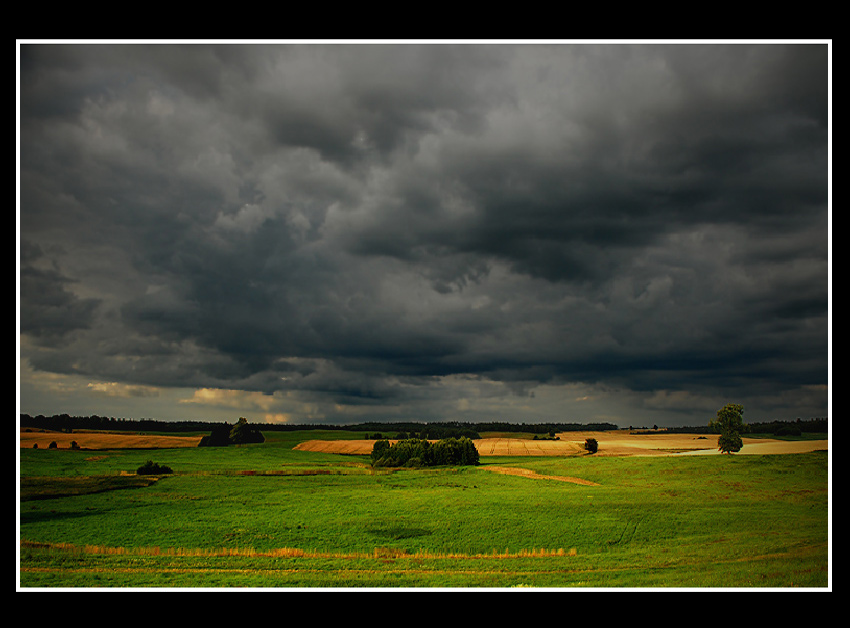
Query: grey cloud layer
x=359, y=220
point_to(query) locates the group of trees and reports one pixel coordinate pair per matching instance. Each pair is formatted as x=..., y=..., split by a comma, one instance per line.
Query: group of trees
x=417, y=452
x=225, y=434
x=432, y=430
x=789, y=428
x=429, y=432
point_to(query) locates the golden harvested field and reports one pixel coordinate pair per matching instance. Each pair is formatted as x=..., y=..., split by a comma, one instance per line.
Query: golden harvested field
x=90, y=439
x=614, y=443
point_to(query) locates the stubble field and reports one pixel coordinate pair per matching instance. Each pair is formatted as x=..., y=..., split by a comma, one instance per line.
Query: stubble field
x=92, y=439
x=612, y=443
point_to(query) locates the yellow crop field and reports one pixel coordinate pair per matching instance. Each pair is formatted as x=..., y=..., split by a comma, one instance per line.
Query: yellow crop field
x=613, y=443
x=91, y=439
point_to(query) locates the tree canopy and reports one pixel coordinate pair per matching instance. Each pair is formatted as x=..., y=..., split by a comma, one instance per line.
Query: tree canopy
x=730, y=423
x=415, y=452
x=225, y=434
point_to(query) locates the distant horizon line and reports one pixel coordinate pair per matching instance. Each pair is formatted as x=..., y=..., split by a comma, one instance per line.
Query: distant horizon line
x=400, y=422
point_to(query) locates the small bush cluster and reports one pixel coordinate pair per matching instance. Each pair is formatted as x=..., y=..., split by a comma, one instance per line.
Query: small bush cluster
x=549, y=436
x=415, y=452
x=152, y=468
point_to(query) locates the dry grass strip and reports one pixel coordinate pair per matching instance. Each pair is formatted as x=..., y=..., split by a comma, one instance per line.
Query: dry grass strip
x=283, y=552
x=527, y=473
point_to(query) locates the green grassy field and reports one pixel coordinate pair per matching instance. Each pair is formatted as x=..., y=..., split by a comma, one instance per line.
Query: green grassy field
x=268, y=516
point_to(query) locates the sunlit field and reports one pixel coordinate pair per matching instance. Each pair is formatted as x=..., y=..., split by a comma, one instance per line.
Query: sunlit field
x=270, y=515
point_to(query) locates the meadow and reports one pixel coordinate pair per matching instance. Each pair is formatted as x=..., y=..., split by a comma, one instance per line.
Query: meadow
x=270, y=516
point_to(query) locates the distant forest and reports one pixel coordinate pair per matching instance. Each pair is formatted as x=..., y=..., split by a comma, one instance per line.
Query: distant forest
x=442, y=429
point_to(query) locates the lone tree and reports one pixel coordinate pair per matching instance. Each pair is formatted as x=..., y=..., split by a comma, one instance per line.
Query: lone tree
x=730, y=422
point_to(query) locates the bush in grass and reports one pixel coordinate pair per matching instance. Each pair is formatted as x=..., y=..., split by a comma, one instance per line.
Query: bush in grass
x=152, y=468
x=591, y=445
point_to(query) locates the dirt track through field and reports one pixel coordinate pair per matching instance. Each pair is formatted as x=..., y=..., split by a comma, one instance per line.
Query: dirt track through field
x=527, y=473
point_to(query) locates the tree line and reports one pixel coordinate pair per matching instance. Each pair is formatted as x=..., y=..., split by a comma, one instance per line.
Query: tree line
x=425, y=429
x=818, y=425
x=430, y=430
x=66, y=423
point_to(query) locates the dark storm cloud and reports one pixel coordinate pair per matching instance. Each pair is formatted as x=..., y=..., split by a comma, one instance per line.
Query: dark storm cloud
x=359, y=221
x=49, y=311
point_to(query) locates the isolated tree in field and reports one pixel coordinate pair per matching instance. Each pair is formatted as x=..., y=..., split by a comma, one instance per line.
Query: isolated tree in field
x=730, y=423
x=591, y=445
x=728, y=442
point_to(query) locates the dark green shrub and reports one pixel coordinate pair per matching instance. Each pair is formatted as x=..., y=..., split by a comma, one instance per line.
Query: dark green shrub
x=152, y=468
x=591, y=445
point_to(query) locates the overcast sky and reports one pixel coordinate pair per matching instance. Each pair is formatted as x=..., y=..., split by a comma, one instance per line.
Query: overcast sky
x=341, y=233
